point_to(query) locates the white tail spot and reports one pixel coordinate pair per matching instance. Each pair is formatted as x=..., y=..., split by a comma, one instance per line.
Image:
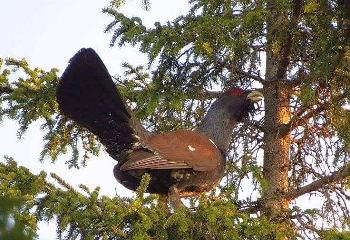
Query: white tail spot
x=191, y=148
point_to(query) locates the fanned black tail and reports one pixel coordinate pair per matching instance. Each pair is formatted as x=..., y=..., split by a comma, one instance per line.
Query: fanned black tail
x=87, y=94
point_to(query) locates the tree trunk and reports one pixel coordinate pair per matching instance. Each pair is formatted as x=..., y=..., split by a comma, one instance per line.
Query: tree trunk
x=277, y=115
x=276, y=150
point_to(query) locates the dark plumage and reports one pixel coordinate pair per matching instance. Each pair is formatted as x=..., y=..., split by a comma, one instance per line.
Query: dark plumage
x=180, y=163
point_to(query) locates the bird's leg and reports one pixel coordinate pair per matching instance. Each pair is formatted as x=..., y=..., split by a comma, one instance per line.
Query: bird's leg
x=174, y=198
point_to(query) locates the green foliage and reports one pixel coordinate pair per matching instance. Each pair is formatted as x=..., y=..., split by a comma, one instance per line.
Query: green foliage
x=28, y=95
x=85, y=214
x=118, y=3
x=30, y=98
x=12, y=224
x=18, y=189
x=185, y=48
x=335, y=235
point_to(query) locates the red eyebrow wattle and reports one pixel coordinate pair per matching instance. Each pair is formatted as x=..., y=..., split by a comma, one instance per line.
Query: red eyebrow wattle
x=237, y=91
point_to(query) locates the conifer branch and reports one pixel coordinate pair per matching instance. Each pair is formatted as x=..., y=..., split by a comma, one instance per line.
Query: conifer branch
x=5, y=89
x=288, y=46
x=248, y=75
x=314, y=186
x=297, y=120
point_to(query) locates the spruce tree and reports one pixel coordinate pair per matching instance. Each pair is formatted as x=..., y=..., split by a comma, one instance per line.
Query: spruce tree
x=297, y=52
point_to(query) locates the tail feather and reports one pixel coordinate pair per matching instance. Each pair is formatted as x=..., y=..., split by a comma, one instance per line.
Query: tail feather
x=87, y=94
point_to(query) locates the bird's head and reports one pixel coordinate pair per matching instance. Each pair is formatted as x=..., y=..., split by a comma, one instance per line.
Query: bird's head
x=229, y=109
x=238, y=102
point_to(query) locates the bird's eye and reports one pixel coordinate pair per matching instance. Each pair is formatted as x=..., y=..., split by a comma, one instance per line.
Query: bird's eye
x=237, y=91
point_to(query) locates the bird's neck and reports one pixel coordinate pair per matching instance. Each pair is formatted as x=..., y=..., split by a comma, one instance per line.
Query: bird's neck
x=218, y=127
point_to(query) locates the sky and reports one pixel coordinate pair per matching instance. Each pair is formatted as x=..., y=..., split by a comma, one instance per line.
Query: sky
x=47, y=34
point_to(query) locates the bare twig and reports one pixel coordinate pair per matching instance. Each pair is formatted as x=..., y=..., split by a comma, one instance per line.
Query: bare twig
x=5, y=89
x=334, y=177
x=297, y=120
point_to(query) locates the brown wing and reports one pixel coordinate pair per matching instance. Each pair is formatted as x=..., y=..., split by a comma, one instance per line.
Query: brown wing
x=176, y=150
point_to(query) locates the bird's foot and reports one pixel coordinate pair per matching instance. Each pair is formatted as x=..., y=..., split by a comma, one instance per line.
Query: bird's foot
x=174, y=198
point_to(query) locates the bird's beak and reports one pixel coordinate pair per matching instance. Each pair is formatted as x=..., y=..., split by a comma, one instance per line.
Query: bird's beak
x=255, y=96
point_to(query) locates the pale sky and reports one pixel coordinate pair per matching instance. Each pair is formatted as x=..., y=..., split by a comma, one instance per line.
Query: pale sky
x=48, y=33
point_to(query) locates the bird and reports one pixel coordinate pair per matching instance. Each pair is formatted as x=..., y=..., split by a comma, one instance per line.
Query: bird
x=181, y=163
